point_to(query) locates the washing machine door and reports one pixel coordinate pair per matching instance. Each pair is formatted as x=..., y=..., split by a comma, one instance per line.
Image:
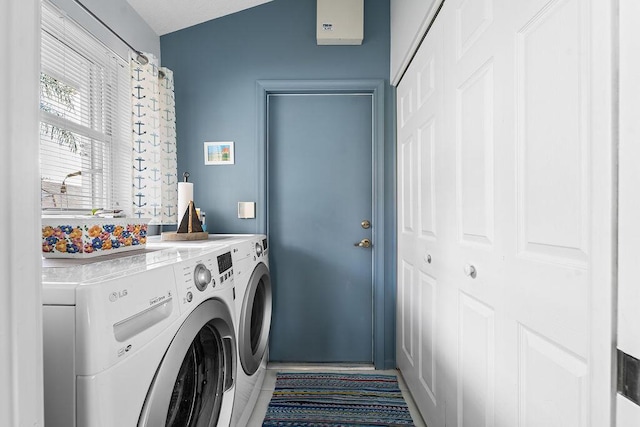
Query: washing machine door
x=194, y=382
x=255, y=319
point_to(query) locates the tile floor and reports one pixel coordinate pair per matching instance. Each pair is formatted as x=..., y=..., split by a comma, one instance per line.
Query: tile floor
x=270, y=383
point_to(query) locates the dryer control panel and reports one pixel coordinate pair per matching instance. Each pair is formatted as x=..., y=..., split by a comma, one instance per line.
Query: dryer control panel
x=246, y=254
x=254, y=249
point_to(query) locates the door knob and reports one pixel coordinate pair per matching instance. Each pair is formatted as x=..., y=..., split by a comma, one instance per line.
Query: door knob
x=470, y=271
x=364, y=243
x=366, y=224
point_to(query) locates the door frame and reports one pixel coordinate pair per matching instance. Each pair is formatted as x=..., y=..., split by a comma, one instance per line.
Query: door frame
x=375, y=87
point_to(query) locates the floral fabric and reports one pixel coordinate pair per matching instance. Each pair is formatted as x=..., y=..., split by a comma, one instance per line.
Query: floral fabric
x=92, y=239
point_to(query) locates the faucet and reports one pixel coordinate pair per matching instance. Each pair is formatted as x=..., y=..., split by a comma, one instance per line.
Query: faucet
x=63, y=187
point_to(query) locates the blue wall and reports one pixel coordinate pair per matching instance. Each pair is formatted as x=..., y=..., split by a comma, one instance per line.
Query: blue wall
x=216, y=65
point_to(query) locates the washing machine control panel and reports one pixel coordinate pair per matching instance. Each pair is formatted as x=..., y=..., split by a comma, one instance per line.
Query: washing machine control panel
x=198, y=278
x=202, y=277
x=225, y=267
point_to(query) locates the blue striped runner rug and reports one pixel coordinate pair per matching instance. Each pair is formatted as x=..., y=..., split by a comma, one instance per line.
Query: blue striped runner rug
x=332, y=400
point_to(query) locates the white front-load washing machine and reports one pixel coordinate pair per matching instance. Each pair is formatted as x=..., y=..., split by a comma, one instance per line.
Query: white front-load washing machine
x=253, y=322
x=142, y=340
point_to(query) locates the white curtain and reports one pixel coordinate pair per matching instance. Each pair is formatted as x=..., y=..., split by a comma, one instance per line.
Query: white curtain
x=155, y=170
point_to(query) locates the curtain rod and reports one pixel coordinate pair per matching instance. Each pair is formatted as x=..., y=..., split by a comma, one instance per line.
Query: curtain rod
x=141, y=58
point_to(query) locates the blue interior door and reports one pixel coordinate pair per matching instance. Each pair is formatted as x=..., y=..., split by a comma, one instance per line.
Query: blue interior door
x=319, y=192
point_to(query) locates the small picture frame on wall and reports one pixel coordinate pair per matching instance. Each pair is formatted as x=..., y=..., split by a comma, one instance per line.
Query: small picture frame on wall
x=218, y=153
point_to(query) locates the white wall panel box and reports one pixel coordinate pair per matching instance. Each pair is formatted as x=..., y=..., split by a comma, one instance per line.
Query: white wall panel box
x=246, y=210
x=340, y=22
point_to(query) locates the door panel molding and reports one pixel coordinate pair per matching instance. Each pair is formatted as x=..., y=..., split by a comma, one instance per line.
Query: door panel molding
x=375, y=87
x=546, y=368
x=476, y=388
x=472, y=21
x=474, y=157
x=567, y=207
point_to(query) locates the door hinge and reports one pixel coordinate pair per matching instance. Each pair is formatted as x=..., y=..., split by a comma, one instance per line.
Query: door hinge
x=629, y=377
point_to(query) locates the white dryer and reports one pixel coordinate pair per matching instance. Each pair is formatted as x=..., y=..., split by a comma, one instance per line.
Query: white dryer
x=143, y=340
x=253, y=322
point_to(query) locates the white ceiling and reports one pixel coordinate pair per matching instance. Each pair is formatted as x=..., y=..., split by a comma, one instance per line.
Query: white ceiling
x=166, y=16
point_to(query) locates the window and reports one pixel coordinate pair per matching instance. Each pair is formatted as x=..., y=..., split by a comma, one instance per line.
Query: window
x=85, y=128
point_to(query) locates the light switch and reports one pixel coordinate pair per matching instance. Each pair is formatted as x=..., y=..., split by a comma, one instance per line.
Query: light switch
x=246, y=210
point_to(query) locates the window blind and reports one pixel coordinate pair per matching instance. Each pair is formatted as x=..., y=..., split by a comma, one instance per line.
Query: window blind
x=85, y=127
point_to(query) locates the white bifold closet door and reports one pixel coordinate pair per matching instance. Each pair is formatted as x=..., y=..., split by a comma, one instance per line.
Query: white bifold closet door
x=627, y=411
x=496, y=168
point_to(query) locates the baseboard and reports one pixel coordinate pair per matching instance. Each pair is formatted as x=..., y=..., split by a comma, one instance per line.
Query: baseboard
x=320, y=366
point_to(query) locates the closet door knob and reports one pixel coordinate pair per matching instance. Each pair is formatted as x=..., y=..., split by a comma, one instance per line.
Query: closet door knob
x=427, y=258
x=470, y=270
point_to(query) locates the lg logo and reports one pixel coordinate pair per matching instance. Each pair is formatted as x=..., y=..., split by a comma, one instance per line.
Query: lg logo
x=113, y=297
x=123, y=350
